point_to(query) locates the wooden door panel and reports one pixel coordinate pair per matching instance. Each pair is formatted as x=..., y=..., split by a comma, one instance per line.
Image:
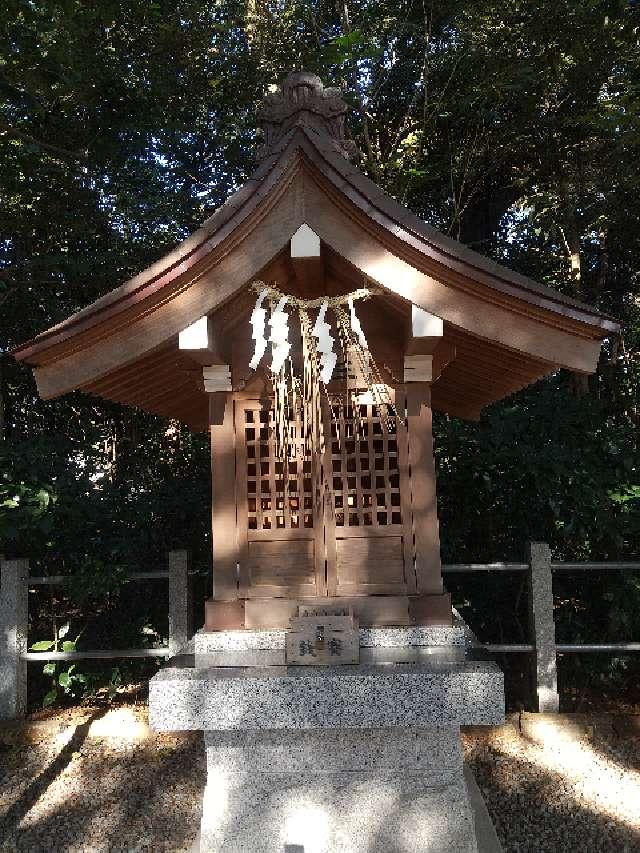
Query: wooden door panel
x=278, y=530
x=281, y=564
x=370, y=565
x=372, y=524
x=335, y=524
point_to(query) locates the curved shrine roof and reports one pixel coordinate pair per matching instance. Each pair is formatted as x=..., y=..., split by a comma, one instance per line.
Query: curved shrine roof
x=507, y=329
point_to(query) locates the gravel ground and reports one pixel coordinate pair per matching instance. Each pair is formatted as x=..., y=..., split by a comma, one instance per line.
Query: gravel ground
x=98, y=780
x=112, y=787
x=553, y=786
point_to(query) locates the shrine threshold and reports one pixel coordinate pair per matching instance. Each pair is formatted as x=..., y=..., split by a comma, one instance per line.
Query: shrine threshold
x=312, y=325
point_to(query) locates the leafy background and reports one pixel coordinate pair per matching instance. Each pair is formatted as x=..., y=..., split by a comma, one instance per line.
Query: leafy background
x=512, y=126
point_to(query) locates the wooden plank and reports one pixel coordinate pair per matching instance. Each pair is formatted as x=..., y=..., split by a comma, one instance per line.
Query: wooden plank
x=223, y=615
x=310, y=274
x=216, y=377
x=405, y=492
x=431, y=609
x=370, y=565
x=423, y=490
x=281, y=562
x=371, y=610
x=369, y=560
x=269, y=613
x=418, y=368
x=223, y=499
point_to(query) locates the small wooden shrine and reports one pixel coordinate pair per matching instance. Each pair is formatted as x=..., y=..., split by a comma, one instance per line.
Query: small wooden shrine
x=311, y=325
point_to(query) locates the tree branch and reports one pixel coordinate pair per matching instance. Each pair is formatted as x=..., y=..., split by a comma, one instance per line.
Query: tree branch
x=65, y=153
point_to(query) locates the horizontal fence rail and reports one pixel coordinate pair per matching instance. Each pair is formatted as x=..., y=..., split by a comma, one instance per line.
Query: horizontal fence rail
x=462, y=568
x=57, y=580
x=99, y=654
x=577, y=648
x=541, y=569
x=15, y=584
x=507, y=648
x=595, y=567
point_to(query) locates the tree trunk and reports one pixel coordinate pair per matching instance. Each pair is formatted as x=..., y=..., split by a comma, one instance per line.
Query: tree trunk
x=481, y=219
x=571, y=236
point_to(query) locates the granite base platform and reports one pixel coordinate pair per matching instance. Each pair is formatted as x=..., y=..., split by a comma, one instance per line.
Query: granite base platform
x=362, y=758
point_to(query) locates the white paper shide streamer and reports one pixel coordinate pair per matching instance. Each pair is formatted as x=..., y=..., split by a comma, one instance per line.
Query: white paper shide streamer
x=321, y=345
x=328, y=358
x=279, y=337
x=356, y=328
x=258, y=322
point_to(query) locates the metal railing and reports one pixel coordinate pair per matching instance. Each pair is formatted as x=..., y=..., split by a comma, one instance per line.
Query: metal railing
x=15, y=583
x=541, y=569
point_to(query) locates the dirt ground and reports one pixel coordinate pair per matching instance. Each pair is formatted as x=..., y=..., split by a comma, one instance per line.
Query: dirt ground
x=96, y=779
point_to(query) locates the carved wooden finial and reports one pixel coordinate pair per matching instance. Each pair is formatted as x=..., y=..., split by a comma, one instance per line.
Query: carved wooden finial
x=302, y=100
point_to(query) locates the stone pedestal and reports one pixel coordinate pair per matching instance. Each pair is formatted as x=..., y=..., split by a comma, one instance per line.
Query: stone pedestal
x=348, y=759
x=353, y=791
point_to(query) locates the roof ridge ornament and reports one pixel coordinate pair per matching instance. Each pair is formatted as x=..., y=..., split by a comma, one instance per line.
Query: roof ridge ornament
x=303, y=101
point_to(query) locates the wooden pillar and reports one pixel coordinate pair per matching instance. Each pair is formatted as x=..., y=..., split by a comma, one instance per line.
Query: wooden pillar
x=423, y=489
x=432, y=605
x=225, y=610
x=223, y=497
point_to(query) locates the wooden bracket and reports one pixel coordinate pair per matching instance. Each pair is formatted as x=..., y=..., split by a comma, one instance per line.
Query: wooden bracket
x=418, y=368
x=198, y=344
x=428, y=352
x=426, y=332
x=217, y=377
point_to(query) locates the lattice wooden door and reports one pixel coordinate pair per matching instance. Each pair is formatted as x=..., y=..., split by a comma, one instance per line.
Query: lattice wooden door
x=373, y=550
x=337, y=525
x=279, y=504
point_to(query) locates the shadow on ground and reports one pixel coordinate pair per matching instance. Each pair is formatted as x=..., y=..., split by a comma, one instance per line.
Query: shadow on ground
x=584, y=798
x=99, y=796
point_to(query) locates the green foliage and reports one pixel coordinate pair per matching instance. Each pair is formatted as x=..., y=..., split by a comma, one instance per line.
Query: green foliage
x=543, y=466
x=513, y=126
x=64, y=682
